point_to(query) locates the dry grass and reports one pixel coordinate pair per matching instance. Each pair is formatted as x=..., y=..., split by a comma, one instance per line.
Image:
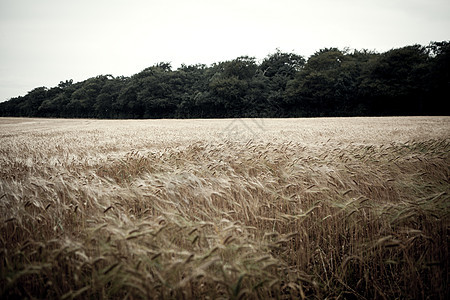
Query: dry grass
x=301, y=208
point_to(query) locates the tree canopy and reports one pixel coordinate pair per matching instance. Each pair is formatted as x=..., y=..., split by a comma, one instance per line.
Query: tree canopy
x=412, y=80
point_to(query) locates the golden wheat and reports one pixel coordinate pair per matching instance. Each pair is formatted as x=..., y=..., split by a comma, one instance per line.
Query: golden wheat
x=256, y=209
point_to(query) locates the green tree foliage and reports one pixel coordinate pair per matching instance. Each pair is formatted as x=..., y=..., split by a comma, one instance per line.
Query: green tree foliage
x=399, y=81
x=230, y=86
x=329, y=84
x=412, y=80
x=439, y=76
x=277, y=70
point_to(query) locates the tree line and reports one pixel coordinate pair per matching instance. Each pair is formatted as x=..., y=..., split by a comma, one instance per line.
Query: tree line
x=412, y=80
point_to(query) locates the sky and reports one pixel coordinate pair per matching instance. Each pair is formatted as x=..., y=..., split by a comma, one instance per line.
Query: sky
x=43, y=42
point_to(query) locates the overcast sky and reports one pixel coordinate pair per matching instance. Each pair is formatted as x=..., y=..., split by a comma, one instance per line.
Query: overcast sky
x=43, y=42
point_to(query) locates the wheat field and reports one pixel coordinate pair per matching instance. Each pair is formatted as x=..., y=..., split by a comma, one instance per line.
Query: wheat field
x=337, y=208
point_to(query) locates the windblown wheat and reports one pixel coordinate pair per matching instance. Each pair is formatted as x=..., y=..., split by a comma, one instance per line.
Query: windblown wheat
x=298, y=208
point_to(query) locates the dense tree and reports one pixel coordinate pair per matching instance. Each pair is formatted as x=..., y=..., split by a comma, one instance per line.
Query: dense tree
x=412, y=80
x=194, y=98
x=397, y=83
x=437, y=99
x=325, y=86
x=278, y=69
x=229, y=86
x=104, y=104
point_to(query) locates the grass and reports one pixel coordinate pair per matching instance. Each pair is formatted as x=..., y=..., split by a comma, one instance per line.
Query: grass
x=352, y=208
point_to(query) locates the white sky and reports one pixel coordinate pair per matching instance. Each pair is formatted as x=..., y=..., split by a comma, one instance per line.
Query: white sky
x=43, y=42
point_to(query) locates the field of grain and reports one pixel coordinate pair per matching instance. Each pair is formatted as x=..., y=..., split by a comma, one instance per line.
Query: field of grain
x=345, y=208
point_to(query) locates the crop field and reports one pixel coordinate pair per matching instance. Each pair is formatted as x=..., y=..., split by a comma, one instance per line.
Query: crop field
x=342, y=208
